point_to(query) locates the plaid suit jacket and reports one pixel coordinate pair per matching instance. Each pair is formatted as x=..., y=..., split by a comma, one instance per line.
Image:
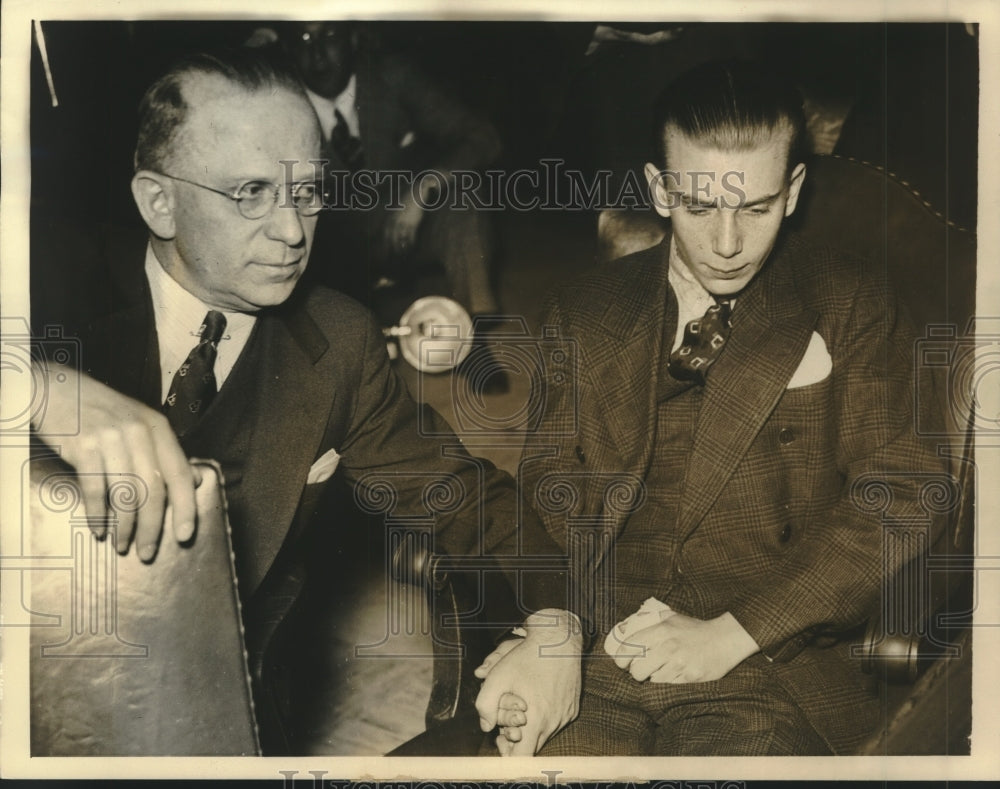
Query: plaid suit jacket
x=788, y=492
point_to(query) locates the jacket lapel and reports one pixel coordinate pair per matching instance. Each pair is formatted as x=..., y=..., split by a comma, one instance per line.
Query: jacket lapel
x=771, y=331
x=294, y=403
x=625, y=374
x=122, y=350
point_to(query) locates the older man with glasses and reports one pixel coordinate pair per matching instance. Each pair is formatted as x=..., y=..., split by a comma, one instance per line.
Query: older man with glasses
x=220, y=355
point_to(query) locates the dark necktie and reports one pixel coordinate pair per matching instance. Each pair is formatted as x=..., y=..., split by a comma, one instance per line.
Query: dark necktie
x=194, y=385
x=703, y=341
x=347, y=147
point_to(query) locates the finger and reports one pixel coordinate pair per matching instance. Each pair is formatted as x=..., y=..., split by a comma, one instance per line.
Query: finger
x=149, y=518
x=641, y=642
x=94, y=492
x=179, y=478
x=665, y=674
x=118, y=466
x=486, y=705
x=641, y=668
x=495, y=657
x=627, y=653
x=484, y=668
x=511, y=718
x=504, y=745
x=511, y=733
x=511, y=701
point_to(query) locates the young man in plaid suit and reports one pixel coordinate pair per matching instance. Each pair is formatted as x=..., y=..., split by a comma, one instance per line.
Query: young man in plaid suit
x=748, y=393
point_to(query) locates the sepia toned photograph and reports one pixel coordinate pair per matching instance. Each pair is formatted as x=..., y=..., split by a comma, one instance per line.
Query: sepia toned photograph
x=498, y=393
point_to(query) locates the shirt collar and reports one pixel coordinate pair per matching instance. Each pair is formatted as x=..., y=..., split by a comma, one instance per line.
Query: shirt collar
x=692, y=298
x=179, y=315
x=345, y=103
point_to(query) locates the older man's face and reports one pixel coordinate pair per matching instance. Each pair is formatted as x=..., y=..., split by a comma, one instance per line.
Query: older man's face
x=726, y=207
x=229, y=138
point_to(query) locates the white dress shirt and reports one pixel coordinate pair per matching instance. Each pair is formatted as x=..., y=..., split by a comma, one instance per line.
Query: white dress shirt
x=692, y=298
x=179, y=316
x=345, y=103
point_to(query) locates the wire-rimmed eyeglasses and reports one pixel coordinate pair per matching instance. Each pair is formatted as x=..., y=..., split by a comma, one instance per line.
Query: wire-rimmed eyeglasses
x=255, y=199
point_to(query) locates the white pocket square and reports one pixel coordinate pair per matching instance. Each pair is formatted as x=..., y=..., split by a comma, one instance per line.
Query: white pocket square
x=323, y=469
x=815, y=365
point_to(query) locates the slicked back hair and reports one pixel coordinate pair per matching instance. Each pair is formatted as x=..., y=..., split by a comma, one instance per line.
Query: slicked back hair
x=163, y=108
x=733, y=106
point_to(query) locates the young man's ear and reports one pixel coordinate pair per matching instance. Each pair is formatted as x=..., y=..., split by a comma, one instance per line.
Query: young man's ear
x=154, y=198
x=663, y=199
x=794, y=186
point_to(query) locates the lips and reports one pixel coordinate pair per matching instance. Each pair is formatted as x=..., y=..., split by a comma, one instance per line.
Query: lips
x=280, y=272
x=279, y=264
x=735, y=273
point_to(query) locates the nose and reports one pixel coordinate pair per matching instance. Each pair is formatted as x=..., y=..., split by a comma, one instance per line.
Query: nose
x=318, y=57
x=284, y=224
x=727, y=241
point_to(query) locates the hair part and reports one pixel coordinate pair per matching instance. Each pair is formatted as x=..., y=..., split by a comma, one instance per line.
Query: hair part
x=163, y=108
x=733, y=106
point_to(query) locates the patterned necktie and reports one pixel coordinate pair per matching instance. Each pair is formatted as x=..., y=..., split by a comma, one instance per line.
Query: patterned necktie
x=194, y=384
x=704, y=339
x=347, y=146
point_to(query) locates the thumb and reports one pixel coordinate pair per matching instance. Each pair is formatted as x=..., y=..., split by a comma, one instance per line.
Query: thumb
x=487, y=704
x=483, y=670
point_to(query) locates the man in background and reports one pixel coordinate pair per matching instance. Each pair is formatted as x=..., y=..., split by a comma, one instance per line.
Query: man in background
x=381, y=113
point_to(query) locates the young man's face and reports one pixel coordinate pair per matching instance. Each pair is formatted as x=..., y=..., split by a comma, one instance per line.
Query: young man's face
x=726, y=207
x=229, y=138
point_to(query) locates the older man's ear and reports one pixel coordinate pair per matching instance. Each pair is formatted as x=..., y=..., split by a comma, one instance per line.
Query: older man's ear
x=154, y=198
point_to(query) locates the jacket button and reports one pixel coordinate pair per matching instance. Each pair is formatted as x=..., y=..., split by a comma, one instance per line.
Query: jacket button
x=579, y=454
x=786, y=533
x=786, y=436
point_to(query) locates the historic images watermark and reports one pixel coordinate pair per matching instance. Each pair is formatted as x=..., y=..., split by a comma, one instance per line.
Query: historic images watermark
x=551, y=186
x=547, y=778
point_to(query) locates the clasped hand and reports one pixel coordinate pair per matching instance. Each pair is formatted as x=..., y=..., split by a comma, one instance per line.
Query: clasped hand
x=680, y=649
x=532, y=684
x=673, y=649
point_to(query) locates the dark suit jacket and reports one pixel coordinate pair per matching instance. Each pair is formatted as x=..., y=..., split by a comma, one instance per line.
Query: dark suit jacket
x=788, y=491
x=320, y=380
x=398, y=104
x=395, y=99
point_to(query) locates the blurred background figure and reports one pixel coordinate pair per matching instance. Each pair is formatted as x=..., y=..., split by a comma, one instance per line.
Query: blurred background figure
x=380, y=112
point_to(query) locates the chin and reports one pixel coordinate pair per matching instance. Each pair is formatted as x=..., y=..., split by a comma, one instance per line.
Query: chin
x=726, y=287
x=273, y=297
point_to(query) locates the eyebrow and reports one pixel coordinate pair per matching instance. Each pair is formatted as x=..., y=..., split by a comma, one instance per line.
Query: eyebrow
x=762, y=200
x=239, y=181
x=687, y=200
